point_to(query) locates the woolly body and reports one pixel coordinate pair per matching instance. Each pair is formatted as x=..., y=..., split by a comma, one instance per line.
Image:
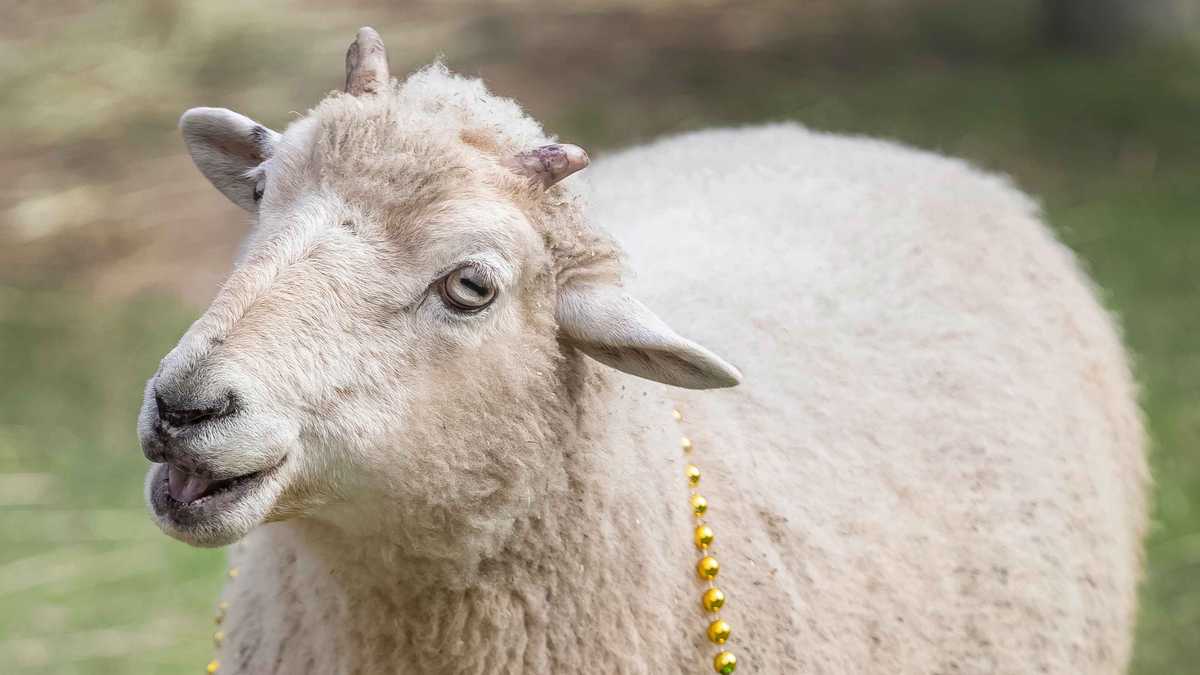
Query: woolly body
x=934, y=463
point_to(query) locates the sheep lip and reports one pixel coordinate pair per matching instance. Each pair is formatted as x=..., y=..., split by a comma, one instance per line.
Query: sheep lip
x=189, y=488
x=188, y=500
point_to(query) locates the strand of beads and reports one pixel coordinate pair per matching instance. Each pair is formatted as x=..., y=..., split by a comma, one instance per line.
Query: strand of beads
x=707, y=567
x=219, y=635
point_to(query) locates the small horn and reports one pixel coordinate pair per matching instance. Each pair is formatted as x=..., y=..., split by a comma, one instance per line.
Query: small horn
x=549, y=163
x=366, y=63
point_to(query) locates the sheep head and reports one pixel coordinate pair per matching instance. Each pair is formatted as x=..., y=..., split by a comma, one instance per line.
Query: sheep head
x=405, y=325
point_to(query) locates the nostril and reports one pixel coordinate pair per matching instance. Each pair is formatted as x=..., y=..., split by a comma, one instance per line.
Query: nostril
x=187, y=414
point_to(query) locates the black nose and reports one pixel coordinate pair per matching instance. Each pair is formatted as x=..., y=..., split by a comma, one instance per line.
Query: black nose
x=182, y=414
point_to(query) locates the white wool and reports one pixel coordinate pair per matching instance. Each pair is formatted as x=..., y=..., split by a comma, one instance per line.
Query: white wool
x=456, y=102
x=934, y=463
x=938, y=418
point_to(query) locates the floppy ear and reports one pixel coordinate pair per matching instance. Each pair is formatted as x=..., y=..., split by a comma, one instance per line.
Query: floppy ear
x=225, y=145
x=612, y=327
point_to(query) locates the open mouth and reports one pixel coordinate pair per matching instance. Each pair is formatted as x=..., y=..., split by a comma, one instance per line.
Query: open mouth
x=187, y=488
x=186, y=500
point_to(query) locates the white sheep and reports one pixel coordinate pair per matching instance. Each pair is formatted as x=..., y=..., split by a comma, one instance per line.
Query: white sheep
x=397, y=403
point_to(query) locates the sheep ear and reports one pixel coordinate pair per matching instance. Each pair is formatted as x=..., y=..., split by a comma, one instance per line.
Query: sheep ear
x=612, y=327
x=225, y=146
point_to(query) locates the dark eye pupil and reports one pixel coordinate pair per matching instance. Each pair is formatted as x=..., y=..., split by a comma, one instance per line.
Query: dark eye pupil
x=475, y=288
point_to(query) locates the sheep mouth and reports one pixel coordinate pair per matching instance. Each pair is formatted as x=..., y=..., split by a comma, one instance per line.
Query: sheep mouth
x=188, y=499
x=189, y=488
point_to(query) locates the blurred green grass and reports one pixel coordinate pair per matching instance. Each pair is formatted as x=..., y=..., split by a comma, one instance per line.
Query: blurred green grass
x=87, y=583
x=1109, y=144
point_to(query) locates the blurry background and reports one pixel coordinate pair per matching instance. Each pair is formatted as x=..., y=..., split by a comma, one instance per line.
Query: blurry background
x=110, y=242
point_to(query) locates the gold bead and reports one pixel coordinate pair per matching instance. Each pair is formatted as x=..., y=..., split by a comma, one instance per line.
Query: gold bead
x=686, y=444
x=718, y=632
x=699, y=504
x=713, y=600
x=213, y=666
x=677, y=415
x=222, y=606
x=704, y=537
x=693, y=474
x=708, y=567
x=218, y=638
x=725, y=663
x=233, y=572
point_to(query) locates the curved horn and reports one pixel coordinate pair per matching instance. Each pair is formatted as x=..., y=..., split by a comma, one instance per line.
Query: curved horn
x=366, y=63
x=550, y=163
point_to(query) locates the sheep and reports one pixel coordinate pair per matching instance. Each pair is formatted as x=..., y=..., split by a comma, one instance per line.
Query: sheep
x=435, y=411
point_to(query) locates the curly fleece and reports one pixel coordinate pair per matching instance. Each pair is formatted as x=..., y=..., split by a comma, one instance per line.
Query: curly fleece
x=935, y=463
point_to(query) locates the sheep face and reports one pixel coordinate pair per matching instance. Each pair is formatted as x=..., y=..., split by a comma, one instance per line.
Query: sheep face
x=398, y=345
x=356, y=337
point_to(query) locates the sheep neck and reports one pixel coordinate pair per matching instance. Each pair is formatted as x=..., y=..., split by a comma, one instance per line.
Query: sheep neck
x=356, y=601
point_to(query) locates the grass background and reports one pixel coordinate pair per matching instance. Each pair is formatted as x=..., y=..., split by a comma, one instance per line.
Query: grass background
x=110, y=243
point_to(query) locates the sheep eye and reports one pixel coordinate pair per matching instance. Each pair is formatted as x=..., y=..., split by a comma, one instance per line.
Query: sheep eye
x=467, y=290
x=259, y=187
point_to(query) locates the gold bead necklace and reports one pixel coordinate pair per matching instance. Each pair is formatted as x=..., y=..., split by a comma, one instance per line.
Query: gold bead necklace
x=219, y=635
x=707, y=567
